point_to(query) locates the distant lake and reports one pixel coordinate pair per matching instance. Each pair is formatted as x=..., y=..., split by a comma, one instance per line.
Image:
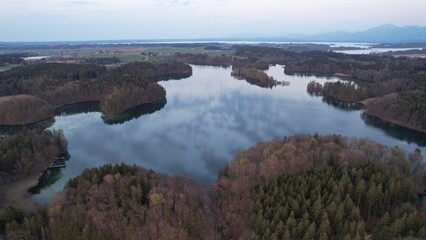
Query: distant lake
x=206, y=120
x=248, y=42
x=33, y=58
x=376, y=50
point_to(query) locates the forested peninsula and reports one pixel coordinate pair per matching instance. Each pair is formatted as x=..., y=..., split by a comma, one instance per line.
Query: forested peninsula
x=392, y=89
x=30, y=93
x=300, y=187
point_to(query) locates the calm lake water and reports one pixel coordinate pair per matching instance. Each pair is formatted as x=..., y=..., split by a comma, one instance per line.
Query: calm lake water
x=207, y=120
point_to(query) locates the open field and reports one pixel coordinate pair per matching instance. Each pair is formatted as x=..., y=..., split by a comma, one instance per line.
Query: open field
x=7, y=67
x=124, y=54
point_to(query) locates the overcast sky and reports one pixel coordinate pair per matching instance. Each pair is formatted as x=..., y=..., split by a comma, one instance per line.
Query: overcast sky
x=61, y=20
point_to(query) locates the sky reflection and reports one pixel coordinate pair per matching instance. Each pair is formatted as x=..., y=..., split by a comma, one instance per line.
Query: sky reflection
x=207, y=120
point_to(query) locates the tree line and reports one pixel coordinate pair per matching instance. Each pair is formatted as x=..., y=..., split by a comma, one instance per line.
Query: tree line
x=57, y=84
x=119, y=202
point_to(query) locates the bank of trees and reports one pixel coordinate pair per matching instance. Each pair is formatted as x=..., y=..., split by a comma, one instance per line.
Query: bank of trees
x=121, y=202
x=59, y=84
x=29, y=152
x=268, y=178
x=22, y=109
x=405, y=108
x=132, y=95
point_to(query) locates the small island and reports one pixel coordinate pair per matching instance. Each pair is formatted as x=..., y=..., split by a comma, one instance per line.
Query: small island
x=255, y=77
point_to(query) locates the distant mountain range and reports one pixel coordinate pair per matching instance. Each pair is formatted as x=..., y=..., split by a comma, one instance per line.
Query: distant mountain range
x=387, y=33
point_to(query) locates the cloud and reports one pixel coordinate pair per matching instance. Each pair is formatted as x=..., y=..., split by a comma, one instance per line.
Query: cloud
x=83, y=2
x=184, y=3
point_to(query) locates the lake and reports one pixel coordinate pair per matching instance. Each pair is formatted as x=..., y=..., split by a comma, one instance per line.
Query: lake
x=206, y=120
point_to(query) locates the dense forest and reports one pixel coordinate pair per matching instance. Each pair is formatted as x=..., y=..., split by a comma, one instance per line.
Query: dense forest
x=119, y=202
x=29, y=152
x=328, y=205
x=52, y=85
x=407, y=109
x=254, y=187
x=301, y=187
x=22, y=109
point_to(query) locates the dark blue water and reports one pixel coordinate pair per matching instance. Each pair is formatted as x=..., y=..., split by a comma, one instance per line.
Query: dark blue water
x=208, y=118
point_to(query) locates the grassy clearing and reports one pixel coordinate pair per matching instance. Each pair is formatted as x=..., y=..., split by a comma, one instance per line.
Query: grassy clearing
x=8, y=67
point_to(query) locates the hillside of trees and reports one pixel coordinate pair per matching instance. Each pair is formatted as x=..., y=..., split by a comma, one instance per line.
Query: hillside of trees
x=242, y=205
x=134, y=113
x=301, y=187
x=24, y=109
x=57, y=84
x=29, y=152
x=337, y=202
x=406, y=109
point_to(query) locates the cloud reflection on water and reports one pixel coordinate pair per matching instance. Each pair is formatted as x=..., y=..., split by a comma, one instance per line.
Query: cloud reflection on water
x=208, y=118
